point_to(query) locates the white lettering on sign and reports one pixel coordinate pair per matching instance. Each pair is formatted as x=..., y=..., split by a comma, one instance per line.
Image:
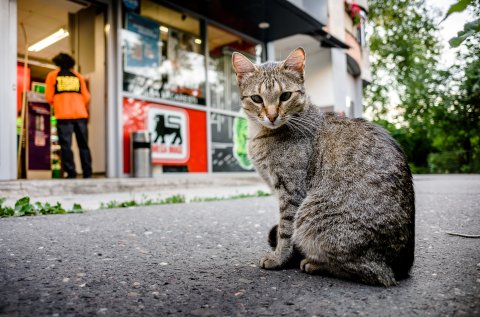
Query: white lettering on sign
x=170, y=134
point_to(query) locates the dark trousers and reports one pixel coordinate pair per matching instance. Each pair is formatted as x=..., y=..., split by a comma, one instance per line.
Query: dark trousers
x=65, y=129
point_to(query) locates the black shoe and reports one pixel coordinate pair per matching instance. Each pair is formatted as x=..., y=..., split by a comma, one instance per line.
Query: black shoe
x=71, y=176
x=87, y=176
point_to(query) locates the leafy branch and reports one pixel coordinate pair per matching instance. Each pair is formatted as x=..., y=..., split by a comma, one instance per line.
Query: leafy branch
x=469, y=29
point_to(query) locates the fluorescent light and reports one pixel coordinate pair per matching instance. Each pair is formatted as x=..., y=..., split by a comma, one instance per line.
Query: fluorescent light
x=198, y=41
x=264, y=25
x=49, y=40
x=163, y=29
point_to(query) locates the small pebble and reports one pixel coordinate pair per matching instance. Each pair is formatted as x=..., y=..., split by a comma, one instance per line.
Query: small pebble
x=102, y=311
x=240, y=293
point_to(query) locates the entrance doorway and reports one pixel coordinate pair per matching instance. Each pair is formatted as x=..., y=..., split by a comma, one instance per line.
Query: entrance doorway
x=78, y=29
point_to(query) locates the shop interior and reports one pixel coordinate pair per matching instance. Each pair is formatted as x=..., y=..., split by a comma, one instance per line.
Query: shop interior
x=46, y=28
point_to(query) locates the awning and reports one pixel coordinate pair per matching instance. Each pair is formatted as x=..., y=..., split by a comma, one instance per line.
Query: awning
x=284, y=18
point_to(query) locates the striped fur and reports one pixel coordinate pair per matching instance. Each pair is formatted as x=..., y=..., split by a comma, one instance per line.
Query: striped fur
x=344, y=188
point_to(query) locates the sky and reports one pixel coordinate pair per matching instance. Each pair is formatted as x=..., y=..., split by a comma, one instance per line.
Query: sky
x=449, y=28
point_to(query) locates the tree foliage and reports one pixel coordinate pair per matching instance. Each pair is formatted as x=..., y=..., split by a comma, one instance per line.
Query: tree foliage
x=456, y=121
x=433, y=113
x=470, y=28
x=405, y=51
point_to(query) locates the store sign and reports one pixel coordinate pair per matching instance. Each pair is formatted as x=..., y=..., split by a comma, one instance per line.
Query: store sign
x=169, y=130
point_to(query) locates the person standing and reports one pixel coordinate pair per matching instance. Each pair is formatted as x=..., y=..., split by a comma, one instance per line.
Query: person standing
x=67, y=92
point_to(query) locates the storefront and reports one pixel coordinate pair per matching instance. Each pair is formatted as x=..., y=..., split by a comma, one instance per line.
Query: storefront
x=179, y=85
x=164, y=66
x=37, y=31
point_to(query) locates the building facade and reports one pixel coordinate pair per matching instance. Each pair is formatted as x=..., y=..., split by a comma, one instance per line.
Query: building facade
x=164, y=66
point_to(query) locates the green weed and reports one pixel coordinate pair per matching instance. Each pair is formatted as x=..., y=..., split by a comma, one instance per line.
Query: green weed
x=175, y=199
x=23, y=207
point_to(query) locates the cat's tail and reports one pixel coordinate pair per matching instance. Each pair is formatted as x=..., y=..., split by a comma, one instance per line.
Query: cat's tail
x=272, y=237
x=296, y=255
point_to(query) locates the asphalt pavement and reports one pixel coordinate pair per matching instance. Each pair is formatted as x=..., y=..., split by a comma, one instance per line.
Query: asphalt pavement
x=201, y=259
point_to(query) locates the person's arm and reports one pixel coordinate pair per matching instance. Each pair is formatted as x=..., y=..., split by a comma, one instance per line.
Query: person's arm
x=50, y=87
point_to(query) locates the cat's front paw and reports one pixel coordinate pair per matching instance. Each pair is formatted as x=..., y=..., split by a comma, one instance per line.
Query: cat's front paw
x=271, y=262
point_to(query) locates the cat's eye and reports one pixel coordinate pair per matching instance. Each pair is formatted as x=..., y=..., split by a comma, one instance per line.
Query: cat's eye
x=256, y=99
x=285, y=96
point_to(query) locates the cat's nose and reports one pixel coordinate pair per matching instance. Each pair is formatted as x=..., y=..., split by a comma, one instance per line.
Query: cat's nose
x=272, y=117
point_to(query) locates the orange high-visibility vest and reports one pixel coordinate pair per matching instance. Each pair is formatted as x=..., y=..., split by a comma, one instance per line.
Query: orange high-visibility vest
x=67, y=92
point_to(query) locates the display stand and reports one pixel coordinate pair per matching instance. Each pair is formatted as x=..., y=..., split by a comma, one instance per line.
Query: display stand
x=38, y=154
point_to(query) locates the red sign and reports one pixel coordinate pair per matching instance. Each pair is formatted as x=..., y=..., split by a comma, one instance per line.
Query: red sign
x=169, y=129
x=179, y=136
x=20, y=83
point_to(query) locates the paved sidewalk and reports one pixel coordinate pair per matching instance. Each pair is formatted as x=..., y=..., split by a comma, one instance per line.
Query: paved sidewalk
x=200, y=259
x=90, y=193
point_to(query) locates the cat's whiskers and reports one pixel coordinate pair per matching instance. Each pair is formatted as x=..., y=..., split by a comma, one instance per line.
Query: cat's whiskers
x=307, y=125
x=304, y=125
x=297, y=127
x=304, y=120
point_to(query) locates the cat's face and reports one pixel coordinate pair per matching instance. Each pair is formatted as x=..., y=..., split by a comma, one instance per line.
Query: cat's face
x=272, y=92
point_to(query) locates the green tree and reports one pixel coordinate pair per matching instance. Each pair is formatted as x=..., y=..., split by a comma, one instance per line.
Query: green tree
x=437, y=111
x=404, y=50
x=469, y=29
x=456, y=121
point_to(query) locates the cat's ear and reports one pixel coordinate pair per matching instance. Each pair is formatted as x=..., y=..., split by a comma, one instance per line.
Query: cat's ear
x=242, y=65
x=296, y=60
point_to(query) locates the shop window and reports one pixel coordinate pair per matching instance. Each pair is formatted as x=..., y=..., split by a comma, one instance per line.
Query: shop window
x=229, y=143
x=224, y=93
x=163, y=55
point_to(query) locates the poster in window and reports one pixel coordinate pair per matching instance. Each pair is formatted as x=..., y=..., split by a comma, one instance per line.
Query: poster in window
x=162, y=62
x=142, y=54
x=229, y=144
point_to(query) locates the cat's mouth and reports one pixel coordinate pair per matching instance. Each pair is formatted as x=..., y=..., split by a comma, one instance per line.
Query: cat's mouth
x=273, y=124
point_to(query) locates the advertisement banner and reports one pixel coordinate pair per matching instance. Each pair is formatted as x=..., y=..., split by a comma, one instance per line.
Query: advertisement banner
x=162, y=62
x=229, y=144
x=179, y=136
x=142, y=51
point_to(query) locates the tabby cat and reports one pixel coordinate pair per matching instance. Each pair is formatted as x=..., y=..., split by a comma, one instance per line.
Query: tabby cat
x=344, y=187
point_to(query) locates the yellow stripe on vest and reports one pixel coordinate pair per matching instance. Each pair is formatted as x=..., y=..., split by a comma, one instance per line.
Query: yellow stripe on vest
x=68, y=83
